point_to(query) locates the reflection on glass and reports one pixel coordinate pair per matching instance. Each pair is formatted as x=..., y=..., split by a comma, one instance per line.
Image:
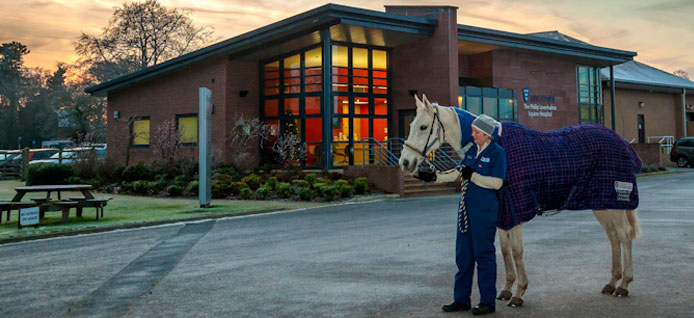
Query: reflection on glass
x=341, y=105
x=313, y=58
x=312, y=105
x=474, y=104
x=270, y=108
x=340, y=56
x=291, y=106
x=360, y=58
x=490, y=107
x=361, y=106
x=380, y=60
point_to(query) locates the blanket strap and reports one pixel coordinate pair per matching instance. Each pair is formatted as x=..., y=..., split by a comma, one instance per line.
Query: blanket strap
x=505, y=196
x=538, y=207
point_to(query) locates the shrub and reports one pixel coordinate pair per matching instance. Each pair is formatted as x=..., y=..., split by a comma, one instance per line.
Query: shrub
x=141, y=186
x=329, y=193
x=246, y=194
x=137, y=172
x=262, y=193
x=346, y=191
x=118, y=173
x=181, y=181
x=161, y=176
x=174, y=190
x=48, y=173
x=193, y=187
x=126, y=187
x=305, y=194
x=311, y=178
x=236, y=187
x=301, y=183
x=321, y=180
x=340, y=183
x=158, y=185
x=222, y=178
x=73, y=180
x=228, y=170
x=253, y=181
x=361, y=185
x=221, y=190
x=272, y=183
x=285, y=189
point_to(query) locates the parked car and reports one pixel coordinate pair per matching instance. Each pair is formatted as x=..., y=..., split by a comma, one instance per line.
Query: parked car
x=683, y=152
x=71, y=155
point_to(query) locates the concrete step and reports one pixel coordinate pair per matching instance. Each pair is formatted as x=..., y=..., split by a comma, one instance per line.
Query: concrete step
x=425, y=192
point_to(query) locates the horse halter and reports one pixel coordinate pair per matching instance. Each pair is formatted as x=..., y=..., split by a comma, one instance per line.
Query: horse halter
x=423, y=153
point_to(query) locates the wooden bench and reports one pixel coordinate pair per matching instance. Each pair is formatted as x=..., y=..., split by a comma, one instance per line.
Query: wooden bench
x=98, y=203
x=65, y=208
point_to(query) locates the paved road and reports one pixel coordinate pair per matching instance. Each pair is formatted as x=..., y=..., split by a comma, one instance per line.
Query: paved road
x=383, y=259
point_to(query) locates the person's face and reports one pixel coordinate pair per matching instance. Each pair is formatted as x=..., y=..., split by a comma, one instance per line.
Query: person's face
x=479, y=137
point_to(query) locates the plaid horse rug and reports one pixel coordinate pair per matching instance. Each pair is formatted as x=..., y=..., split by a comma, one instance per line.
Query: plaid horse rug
x=582, y=167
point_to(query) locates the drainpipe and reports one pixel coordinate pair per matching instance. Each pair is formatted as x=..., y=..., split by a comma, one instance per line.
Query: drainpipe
x=614, y=127
x=684, y=111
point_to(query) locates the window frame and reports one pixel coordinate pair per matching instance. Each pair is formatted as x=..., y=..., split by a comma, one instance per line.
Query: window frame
x=132, y=131
x=595, y=105
x=197, y=135
x=482, y=93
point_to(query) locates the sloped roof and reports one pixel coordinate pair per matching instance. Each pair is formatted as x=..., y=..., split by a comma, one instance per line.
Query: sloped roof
x=556, y=35
x=634, y=72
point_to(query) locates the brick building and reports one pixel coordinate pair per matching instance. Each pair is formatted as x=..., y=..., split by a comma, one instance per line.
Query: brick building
x=336, y=75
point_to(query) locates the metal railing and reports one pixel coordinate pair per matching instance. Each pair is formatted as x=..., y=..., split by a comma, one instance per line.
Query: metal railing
x=387, y=153
x=665, y=142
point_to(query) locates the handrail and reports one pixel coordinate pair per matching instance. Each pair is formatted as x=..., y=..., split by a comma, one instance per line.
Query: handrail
x=388, y=154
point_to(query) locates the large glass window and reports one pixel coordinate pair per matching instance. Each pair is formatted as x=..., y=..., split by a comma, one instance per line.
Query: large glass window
x=187, y=127
x=498, y=103
x=360, y=103
x=291, y=103
x=589, y=96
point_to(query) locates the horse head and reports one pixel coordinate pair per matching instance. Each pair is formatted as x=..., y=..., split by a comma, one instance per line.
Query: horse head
x=425, y=135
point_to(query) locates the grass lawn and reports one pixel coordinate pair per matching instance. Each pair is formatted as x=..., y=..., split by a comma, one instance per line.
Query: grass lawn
x=126, y=209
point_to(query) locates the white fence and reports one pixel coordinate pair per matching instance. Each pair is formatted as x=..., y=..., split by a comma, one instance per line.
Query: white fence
x=665, y=142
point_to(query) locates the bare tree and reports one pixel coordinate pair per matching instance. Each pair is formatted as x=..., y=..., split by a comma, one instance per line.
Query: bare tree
x=166, y=141
x=243, y=132
x=290, y=149
x=682, y=74
x=140, y=34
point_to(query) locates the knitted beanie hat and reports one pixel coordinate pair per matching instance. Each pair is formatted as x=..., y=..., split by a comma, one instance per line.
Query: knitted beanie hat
x=486, y=124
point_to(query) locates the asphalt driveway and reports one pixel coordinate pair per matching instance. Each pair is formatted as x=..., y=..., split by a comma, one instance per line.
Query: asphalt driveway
x=391, y=258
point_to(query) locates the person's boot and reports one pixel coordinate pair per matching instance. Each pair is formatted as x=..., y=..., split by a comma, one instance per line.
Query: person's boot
x=455, y=306
x=483, y=309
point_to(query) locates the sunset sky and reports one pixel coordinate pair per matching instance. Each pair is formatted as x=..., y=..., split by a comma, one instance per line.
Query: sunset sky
x=660, y=31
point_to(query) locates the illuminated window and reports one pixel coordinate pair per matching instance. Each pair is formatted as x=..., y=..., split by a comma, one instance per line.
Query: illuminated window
x=140, y=131
x=589, y=96
x=498, y=103
x=187, y=128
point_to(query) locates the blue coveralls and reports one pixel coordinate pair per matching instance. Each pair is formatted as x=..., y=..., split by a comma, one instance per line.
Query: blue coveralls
x=477, y=244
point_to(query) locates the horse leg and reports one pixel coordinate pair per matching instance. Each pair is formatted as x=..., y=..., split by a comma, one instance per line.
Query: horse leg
x=516, y=240
x=505, y=245
x=626, y=233
x=604, y=217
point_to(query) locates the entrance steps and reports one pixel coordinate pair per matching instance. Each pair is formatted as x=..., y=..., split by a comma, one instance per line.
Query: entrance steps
x=416, y=187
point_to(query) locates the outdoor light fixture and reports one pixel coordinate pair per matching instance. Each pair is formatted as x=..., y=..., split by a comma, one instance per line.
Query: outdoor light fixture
x=243, y=93
x=413, y=92
x=642, y=104
x=116, y=114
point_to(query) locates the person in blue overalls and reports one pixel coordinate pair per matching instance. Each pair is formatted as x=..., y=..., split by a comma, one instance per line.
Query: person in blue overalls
x=483, y=170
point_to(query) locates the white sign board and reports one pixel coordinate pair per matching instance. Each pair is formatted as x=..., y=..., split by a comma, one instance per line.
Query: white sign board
x=29, y=216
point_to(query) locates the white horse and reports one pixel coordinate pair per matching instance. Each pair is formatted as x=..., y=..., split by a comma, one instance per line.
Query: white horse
x=435, y=125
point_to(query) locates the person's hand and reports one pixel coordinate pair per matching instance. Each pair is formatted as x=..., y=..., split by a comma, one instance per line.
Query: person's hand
x=426, y=172
x=466, y=173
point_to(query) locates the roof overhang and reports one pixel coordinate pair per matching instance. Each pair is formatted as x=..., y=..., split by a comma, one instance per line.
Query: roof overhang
x=304, y=26
x=494, y=39
x=648, y=87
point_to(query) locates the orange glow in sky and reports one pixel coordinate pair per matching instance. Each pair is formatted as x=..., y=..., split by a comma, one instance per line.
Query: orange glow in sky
x=660, y=31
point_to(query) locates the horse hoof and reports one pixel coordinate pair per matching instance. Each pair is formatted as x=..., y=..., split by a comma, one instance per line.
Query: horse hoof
x=608, y=289
x=504, y=295
x=621, y=292
x=515, y=302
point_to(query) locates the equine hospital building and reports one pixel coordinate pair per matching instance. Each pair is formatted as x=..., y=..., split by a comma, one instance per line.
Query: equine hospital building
x=342, y=79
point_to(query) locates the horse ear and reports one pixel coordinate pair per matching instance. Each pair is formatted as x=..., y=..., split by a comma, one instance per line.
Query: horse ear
x=418, y=102
x=426, y=102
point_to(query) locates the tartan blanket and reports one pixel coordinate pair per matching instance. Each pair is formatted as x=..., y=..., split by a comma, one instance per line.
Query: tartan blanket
x=576, y=168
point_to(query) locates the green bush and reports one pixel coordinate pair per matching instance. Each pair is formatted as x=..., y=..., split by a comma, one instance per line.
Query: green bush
x=272, y=183
x=262, y=193
x=361, y=185
x=73, y=180
x=137, y=172
x=346, y=191
x=253, y=181
x=311, y=178
x=230, y=171
x=174, y=190
x=48, y=173
x=193, y=187
x=329, y=193
x=222, y=178
x=158, y=185
x=141, y=187
x=340, y=183
x=321, y=180
x=305, y=194
x=118, y=173
x=236, y=187
x=285, y=189
x=181, y=181
x=221, y=190
x=301, y=183
x=126, y=187
x=246, y=194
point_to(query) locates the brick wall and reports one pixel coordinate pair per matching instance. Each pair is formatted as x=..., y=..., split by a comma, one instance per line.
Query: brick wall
x=659, y=112
x=161, y=99
x=242, y=75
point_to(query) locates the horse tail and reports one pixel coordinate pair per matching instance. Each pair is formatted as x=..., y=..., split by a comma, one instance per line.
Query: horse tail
x=635, y=224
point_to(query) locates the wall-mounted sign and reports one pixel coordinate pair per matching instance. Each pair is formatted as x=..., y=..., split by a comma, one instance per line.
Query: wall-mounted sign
x=526, y=94
x=540, y=105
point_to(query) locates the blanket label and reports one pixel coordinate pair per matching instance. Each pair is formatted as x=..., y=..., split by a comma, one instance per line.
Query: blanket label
x=623, y=190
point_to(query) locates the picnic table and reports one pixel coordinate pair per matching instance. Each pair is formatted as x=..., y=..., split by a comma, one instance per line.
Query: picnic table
x=47, y=205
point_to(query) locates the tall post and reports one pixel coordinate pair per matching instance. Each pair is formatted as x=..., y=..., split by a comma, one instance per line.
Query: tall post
x=327, y=100
x=684, y=111
x=204, y=158
x=614, y=127
x=25, y=162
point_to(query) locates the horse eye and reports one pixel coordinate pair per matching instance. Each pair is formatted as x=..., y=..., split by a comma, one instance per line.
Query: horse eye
x=423, y=127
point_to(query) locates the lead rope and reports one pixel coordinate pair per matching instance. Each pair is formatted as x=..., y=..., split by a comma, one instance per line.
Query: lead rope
x=462, y=210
